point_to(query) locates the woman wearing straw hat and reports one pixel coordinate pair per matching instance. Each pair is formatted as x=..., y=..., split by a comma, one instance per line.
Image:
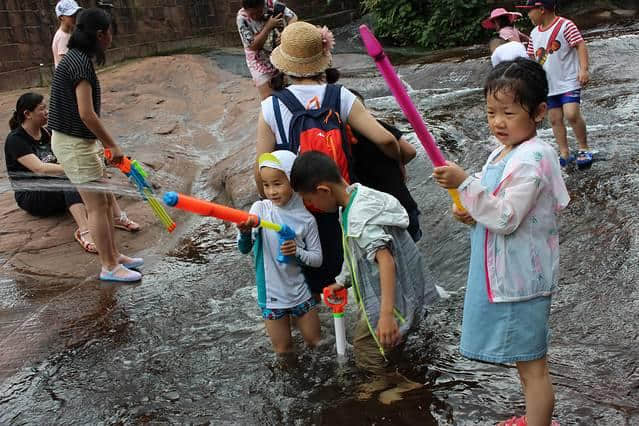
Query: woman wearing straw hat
x=303, y=57
x=502, y=21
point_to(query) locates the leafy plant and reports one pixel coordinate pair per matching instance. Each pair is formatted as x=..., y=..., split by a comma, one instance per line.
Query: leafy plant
x=428, y=23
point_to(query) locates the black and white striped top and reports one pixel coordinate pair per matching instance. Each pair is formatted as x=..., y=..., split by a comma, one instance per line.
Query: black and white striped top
x=64, y=117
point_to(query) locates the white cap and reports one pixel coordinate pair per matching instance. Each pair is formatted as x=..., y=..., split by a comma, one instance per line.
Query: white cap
x=66, y=8
x=281, y=160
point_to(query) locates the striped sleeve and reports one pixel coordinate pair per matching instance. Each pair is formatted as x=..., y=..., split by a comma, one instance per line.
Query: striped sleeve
x=572, y=34
x=530, y=49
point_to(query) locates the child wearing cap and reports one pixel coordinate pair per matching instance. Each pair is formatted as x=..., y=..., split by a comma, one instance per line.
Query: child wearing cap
x=502, y=50
x=558, y=46
x=503, y=21
x=65, y=10
x=282, y=290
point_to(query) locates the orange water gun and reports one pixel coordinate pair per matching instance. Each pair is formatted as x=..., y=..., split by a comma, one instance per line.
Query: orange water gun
x=229, y=214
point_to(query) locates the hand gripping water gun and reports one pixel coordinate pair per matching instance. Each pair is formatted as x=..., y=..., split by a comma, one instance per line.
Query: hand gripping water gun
x=336, y=302
x=385, y=67
x=207, y=208
x=137, y=175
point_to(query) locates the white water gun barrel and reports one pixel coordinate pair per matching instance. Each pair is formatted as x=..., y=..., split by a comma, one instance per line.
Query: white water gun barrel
x=340, y=334
x=337, y=302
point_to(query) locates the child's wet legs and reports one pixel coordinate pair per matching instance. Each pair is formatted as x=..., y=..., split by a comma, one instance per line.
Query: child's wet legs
x=556, y=116
x=572, y=112
x=279, y=331
x=309, y=326
x=367, y=354
x=540, y=399
x=368, y=357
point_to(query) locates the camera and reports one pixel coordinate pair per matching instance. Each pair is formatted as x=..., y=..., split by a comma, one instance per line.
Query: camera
x=278, y=8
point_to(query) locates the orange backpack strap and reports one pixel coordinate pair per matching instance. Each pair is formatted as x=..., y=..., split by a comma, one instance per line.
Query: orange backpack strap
x=333, y=101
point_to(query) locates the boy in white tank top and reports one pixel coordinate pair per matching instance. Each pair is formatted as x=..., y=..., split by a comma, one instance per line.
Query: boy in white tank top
x=558, y=46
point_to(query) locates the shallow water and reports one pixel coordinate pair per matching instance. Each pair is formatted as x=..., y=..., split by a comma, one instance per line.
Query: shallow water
x=187, y=344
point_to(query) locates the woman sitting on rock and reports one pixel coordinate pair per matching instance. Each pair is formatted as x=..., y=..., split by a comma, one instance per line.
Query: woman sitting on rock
x=38, y=181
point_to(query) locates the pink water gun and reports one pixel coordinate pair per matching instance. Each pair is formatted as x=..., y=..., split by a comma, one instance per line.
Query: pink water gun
x=385, y=67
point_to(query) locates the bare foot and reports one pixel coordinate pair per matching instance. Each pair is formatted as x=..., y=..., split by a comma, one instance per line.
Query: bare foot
x=365, y=391
x=395, y=394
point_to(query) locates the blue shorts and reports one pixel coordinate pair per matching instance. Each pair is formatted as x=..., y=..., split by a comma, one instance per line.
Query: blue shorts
x=295, y=312
x=558, y=101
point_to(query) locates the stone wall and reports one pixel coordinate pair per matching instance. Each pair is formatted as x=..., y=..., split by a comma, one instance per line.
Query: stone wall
x=144, y=27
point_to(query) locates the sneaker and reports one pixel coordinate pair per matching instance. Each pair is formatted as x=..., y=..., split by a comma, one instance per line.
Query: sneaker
x=134, y=262
x=120, y=274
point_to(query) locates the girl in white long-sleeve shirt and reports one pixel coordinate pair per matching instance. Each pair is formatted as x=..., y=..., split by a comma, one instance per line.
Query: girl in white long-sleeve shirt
x=282, y=290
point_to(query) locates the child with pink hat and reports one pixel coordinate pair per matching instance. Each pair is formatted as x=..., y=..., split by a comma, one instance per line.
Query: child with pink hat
x=502, y=21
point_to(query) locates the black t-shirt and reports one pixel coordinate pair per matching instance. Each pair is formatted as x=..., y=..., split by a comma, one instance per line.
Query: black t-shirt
x=375, y=170
x=64, y=116
x=20, y=143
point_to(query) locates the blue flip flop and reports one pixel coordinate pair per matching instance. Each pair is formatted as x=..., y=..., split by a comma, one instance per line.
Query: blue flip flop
x=130, y=277
x=584, y=160
x=563, y=162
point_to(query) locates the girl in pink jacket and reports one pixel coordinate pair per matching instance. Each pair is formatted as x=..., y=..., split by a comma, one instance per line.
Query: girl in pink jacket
x=512, y=206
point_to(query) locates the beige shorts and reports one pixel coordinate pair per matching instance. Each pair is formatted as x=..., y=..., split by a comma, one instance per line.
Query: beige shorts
x=81, y=158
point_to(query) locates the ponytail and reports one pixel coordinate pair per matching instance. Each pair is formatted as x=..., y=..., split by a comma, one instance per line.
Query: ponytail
x=14, y=121
x=332, y=75
x=278, y=82
x=27, y=102
x=85, y=35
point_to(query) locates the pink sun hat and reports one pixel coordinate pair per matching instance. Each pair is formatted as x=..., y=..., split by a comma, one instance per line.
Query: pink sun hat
x=496, y=13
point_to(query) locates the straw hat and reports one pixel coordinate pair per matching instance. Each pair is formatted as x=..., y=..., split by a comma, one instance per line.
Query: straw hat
x=305, y=51
x=489, y=24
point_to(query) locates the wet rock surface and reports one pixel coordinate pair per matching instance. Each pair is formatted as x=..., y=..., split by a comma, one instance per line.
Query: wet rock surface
x=187, y=345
